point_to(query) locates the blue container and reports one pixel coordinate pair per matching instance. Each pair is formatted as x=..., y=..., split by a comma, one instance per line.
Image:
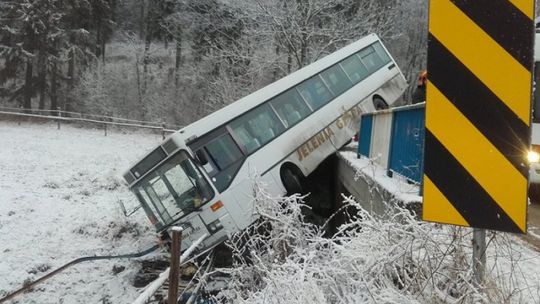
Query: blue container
x=407, y=143
x=364, y=135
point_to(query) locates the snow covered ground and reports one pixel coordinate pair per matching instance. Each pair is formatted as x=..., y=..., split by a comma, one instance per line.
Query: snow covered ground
x=58, y=201
x=59, y=193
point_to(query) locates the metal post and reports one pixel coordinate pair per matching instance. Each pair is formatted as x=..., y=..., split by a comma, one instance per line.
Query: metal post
x=162, y=130
x=59, y=115
x=105, y=127
x=479, y=255
x=175, y=265
x=20, y=117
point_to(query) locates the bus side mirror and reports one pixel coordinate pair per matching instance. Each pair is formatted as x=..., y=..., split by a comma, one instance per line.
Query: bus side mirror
x=201, y=157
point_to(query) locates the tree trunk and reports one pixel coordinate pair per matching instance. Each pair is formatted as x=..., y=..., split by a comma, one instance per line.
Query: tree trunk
x=42, y=78
x=54, y=89
x=276, y=70
x=289, y=61
x=147, y=42
x=178, y=60
x=98, y=39
x=103, y=49
x=142, y=24
x=71, y=81
x=27, y=104
x=303, y=45
x=139, y=89
x=303, y=52
x=146, y=60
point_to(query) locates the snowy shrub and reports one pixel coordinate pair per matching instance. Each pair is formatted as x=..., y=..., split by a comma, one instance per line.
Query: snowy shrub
x=39, y=268
x=119, y=230
x=51, y=185
x=371, y=259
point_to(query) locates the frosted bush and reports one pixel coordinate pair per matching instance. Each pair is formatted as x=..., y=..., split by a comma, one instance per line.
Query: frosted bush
x=371, y=259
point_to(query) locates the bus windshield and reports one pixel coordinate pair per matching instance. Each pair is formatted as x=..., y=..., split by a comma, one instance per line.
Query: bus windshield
x=174, y=189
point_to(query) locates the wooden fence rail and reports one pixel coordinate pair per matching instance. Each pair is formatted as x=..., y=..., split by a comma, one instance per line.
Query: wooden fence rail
x=114, y=121
x=72, y=114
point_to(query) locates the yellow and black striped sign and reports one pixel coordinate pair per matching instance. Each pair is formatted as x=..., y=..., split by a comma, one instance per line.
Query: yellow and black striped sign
x=478, y=108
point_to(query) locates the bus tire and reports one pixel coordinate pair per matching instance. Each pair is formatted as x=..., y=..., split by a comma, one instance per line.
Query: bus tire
x=379, y=103
x=292, y=181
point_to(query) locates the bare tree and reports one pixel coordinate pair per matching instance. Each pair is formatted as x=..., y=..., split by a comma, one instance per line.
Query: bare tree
x=409, y=45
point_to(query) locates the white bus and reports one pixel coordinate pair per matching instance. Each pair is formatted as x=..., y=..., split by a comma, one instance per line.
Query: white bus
x=201, y=177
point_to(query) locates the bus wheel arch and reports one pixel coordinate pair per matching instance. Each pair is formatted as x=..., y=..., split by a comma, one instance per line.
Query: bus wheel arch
x=292, y=178
x=379, y=103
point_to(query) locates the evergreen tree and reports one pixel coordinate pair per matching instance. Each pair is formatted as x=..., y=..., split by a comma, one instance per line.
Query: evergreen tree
x=30, y=34
x=102, y=23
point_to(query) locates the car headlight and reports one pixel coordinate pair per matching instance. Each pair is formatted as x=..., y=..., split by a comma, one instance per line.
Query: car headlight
x=533, y=157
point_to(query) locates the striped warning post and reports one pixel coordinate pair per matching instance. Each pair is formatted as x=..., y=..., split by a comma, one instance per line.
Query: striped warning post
x=478, y=108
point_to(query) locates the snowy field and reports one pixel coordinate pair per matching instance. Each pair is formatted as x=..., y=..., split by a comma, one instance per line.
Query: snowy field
x=59, y=193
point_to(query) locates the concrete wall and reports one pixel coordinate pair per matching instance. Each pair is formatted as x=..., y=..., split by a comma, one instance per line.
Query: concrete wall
x=368, y=193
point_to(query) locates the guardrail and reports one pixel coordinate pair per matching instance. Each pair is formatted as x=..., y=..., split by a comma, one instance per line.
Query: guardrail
x=394, y=139
x=67, y=116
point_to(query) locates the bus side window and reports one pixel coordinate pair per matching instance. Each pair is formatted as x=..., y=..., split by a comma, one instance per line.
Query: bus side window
x=381, y=52
x=263, y=126
x=225, y=158
x=245, y=137
x=224, y=151
x=336, y=80
x=315, y=92
x=249, y=141
x=370, y=59
x=290, y=107
x=354, y=68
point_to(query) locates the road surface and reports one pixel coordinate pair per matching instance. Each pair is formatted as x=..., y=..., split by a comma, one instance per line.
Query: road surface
x=533, y=224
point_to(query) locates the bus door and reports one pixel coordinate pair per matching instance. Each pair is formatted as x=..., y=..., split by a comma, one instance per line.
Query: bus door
x=220, y=157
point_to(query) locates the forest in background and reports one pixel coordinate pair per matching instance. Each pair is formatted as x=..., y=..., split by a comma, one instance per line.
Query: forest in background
x=178, y=60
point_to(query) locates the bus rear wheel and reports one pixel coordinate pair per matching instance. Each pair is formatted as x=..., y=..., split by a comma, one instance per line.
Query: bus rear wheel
x=292, y=181
x=379, y=103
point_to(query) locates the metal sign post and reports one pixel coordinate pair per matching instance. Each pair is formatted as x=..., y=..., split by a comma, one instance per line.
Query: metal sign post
x=479, y=255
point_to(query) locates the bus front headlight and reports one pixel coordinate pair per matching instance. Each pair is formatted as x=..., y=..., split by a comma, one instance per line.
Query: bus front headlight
x=214, y=226
x=533, y=157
